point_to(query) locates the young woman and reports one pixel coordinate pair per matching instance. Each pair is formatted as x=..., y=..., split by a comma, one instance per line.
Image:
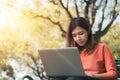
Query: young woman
x=97, y=58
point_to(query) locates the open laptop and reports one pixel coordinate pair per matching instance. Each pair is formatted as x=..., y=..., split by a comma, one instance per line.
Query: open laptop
x=62, y=62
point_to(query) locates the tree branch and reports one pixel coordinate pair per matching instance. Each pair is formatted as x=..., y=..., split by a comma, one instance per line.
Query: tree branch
x=66, y=9
x=53, y=1
x=114, y=16
x=76, y=8
x=87, y=8
x=52, y=21
x=93, y=12
x=102, y=18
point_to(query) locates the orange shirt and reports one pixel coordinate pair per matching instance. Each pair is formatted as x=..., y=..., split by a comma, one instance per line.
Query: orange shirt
x=99, y=61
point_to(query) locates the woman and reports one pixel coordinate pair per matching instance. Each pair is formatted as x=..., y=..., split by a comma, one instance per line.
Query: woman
x=97, y=58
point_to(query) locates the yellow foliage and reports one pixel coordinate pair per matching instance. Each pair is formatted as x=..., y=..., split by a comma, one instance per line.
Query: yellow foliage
x=21, y=33
x=113, y=40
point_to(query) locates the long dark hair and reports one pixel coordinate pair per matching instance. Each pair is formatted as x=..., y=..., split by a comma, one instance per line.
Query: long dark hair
x=81, y=22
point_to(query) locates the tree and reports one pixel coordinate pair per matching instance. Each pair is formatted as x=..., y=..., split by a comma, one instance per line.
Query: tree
x=112, y=38
x=35, y=24
x=100, y=13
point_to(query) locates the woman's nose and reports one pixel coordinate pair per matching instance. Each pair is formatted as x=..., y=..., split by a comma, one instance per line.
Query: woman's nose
x=77, y=37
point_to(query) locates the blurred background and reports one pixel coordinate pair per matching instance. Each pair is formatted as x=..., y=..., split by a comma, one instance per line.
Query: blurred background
x=26, y=26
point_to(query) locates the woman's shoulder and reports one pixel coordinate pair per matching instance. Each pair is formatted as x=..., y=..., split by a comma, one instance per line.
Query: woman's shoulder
x=101, y=45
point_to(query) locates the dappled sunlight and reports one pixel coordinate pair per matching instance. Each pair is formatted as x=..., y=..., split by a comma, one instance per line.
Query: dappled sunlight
x=8, y=18
x=21, y=33
x=28, y=25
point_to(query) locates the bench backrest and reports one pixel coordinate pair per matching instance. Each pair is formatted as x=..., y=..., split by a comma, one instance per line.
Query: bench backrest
x=118, y=66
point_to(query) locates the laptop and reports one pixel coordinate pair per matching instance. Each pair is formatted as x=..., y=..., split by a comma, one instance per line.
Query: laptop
x=61, y=62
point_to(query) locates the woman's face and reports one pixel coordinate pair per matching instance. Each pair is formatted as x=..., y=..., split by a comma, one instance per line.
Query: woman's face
x=80, y=36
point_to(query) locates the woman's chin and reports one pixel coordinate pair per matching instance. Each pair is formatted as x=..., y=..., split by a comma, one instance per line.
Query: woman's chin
x=81, y=44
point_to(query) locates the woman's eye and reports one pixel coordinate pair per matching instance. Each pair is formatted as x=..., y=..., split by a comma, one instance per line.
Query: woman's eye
x=80, y=33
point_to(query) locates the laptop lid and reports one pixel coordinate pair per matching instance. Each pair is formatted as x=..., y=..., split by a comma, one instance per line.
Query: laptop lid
x=61, y=62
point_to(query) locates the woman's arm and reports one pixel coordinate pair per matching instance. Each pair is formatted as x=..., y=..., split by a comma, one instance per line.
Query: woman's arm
x=103, y=77
x=110, y=65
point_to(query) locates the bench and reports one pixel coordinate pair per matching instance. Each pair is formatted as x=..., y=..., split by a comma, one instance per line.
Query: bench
x=118, y=67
